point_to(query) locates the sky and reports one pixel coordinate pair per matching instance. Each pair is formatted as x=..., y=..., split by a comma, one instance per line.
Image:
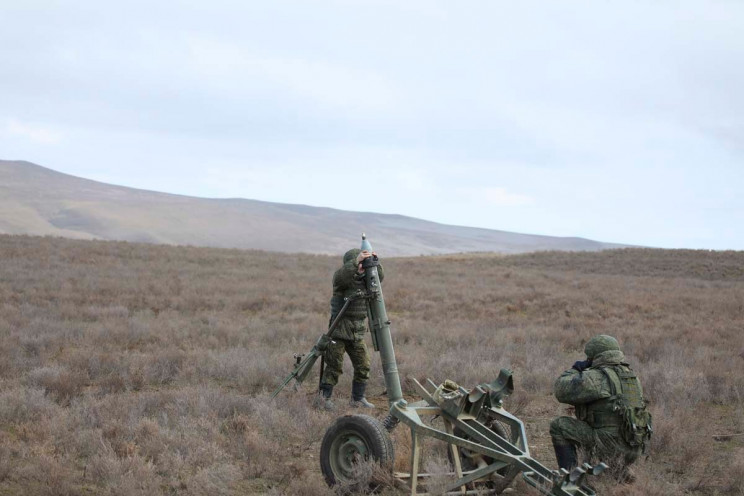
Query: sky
x=618, y=121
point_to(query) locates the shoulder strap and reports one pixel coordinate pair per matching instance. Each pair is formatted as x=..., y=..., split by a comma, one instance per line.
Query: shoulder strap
x=616, y=387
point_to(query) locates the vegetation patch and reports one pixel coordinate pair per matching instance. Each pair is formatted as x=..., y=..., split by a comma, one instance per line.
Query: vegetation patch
x=142, y=369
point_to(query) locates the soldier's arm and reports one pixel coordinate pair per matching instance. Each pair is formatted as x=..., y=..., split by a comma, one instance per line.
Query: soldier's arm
x=576, y=388
x=380, y=272
x=345, y=277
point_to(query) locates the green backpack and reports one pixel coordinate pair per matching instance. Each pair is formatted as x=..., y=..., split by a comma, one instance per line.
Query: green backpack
x=628, y=402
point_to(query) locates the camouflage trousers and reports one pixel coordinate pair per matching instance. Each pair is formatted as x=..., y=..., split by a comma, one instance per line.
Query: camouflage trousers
x=334, y=360
x=602, y=444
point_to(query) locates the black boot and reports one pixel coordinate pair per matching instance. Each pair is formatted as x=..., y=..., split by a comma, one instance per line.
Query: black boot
x=325, y=392
x=566, y=455
x=357, y=395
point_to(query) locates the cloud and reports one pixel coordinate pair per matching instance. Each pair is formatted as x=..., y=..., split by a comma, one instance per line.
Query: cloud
x=236, y=67
x=413, y=180
x=495, y=196
x=35, y=133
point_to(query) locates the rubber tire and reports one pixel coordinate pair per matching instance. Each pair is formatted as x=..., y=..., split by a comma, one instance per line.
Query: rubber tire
x=507, y=473
x=369, y=430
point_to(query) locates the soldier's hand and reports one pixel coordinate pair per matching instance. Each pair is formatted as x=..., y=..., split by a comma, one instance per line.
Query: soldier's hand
x=323, y=342
x=582, y=365
x=362, y=255
x=360, y=258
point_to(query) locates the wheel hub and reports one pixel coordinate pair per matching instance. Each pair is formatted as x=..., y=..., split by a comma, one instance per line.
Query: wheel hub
x=351, y=449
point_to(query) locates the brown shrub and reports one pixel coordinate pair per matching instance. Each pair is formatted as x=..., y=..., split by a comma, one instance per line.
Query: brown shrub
x=60, y=384
x=217, y=479
x=23, y=404
x=6, y=465
x=735, y=477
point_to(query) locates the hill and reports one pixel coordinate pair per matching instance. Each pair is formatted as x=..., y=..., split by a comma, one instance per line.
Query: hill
x=38, y=201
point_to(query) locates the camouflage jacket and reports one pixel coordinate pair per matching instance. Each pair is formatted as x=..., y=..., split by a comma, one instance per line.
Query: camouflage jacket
x=347, y=282
x=591, y=393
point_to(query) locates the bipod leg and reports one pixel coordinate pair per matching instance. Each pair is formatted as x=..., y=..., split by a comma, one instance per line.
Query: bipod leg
x=322, y=369
x=415, y=455
x=286, y=381
x=455, y=452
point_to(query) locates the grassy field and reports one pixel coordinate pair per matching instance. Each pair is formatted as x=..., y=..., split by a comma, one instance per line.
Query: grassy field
x=141, y=369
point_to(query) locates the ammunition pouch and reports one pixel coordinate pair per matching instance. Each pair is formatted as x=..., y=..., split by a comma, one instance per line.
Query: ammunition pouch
x=337, y=303
x=637, y=427
x=601, y=419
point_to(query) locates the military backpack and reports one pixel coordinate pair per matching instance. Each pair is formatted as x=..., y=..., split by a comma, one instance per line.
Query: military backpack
x=628, y=402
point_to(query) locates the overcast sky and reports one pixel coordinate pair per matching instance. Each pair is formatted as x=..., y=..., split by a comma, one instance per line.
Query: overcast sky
x=616, y=121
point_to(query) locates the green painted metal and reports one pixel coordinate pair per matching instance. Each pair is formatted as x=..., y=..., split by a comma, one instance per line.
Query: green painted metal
x=479, y=439
x=347, y=450
x=380, y=325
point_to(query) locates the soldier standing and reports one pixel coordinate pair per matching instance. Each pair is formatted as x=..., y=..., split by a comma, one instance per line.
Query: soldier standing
x=612, y=422
x=348, y=336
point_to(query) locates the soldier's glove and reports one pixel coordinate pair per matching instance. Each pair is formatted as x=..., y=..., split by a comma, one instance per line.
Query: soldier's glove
x=323, y=343
x=582, y=365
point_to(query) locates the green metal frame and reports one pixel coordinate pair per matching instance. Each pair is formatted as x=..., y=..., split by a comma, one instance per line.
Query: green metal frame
x=482, y=440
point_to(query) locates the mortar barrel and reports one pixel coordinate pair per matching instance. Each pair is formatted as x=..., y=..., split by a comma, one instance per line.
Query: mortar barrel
x=380, y=325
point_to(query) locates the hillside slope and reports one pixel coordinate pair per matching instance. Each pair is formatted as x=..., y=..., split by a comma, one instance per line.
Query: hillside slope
x=39, y=201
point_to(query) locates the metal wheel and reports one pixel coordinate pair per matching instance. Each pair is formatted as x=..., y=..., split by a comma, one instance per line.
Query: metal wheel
x=350, y=440
x=502, y=478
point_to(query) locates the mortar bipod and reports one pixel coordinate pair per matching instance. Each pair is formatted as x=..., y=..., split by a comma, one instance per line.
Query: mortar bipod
x=491, y=442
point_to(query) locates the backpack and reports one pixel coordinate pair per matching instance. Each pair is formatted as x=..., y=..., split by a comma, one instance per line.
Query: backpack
x=627, y=398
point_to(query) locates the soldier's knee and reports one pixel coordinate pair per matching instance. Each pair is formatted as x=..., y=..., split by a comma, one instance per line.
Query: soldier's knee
x=555, y=426
x=334, y=357
x=333, y=368
x=559, y=427
x=361, y=374
x=359, y=357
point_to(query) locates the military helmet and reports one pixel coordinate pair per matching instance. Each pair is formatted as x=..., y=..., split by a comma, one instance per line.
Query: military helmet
x=351, y=254
x=600, y=344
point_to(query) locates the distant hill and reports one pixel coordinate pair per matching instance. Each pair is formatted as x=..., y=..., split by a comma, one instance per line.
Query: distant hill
x=38, y=201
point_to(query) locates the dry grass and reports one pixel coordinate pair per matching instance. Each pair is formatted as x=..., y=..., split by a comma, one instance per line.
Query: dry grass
x=140, y=369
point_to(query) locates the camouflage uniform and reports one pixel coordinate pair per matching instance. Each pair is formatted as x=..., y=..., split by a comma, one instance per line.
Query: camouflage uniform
x=608, y=399
x=349, y=333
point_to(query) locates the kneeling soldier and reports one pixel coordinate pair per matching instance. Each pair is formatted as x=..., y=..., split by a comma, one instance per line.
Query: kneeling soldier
x=612, y=421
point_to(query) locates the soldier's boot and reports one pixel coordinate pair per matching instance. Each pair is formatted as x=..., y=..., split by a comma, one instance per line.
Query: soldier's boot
x=324, y=397
x=565, y=454
x=357, y=395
